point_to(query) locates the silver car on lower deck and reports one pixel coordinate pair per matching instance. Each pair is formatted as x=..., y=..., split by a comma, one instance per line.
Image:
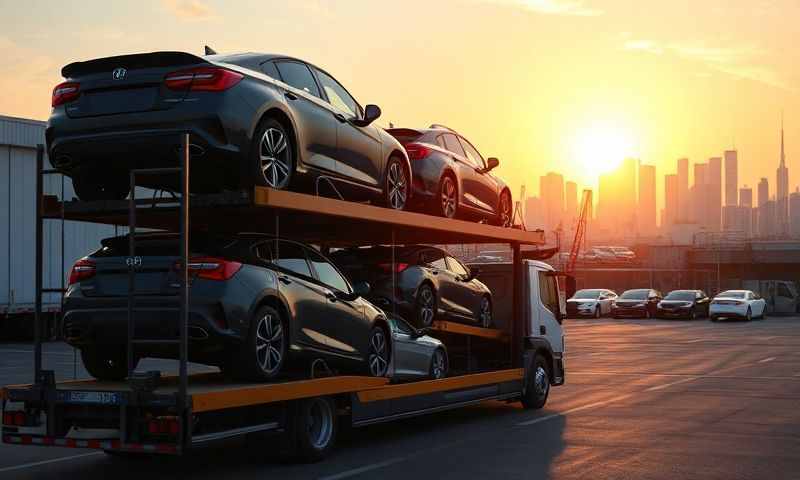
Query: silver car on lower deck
x=415, y=354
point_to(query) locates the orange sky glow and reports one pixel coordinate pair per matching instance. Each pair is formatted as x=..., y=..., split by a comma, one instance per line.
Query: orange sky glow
x=563, y=85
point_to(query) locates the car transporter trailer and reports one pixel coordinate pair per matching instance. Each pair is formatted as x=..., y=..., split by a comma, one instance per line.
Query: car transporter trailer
x=149, y=413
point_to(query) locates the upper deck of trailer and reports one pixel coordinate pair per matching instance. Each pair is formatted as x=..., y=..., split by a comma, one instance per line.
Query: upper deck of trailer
x=302, y=217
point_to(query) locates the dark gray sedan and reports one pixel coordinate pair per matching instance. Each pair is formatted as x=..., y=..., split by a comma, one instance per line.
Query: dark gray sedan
x=422, y=284
x=254, y=119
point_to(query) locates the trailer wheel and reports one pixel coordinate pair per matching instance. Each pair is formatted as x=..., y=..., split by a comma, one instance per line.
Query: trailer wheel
x=312, y=425
x=106, y=365
x=537, y=386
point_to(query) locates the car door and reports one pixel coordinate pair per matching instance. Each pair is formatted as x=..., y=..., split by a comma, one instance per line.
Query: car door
x=701, y=304
x=358, y=149
x=652, y=301
x=343, y=324
x=411, y=357
x=468, y=178
x=314, y=120
x=434, y=261
x=481, y=184
x=304, y=297
x=469, y=296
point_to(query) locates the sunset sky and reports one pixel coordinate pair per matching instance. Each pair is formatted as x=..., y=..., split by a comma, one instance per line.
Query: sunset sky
x=565, y=85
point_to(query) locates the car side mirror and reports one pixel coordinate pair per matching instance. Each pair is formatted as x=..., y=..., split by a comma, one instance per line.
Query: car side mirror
x=472, y=273
x=492, y=163
x=371, y=113
x=361, y=289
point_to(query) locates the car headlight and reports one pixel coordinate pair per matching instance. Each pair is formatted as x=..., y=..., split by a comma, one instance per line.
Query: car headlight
x=586, y=305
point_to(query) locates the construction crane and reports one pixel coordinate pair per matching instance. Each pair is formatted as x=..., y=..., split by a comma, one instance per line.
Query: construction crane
x=580, y=231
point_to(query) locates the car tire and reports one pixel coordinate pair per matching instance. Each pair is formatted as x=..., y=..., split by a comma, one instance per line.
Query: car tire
x=106, y=186
x=272, y=156
x=397, y=185
x=485, y=317
x=597, y=312
x=380, y=354
x=537, y=385
x=106, y=364
x=425, y=307
x=439, y=365
x=647, y=314
x=312, y=425
x=749, y=315
x=693, y=315
x=713, y=318
x=263, y=356
x=505, y=210
x=447, y=204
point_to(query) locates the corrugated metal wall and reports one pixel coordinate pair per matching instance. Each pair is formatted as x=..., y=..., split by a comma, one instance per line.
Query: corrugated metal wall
x=18, y=139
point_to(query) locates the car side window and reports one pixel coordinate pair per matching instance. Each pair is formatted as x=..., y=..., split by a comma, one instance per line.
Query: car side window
x=263, y=251
x=452, y=144
x=401, y=326
x=337, y=95
x=434, y=259
x=299, y=76
x=473, y=157
x=327, y=273
x=292, y=257
x=456, y=267
x=270, y=70
x=440, y=141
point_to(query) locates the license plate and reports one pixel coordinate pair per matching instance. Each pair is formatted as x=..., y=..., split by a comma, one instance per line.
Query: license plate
x=96, y=398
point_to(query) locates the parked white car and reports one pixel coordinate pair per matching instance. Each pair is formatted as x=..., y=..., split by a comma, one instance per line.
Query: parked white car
x=592, y=302
x=744, y=304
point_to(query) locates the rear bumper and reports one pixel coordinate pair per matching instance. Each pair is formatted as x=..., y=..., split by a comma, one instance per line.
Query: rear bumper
x=734, y=312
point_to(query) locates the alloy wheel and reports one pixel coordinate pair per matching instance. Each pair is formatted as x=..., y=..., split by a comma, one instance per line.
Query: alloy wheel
x=378, y=353
x=397, y=186
x=439, y=367
x=448, y=197
x=486, y=313
x=541, y=382
x=320, y=423
x=427, y=305
x=269, y=344
x=274, y=154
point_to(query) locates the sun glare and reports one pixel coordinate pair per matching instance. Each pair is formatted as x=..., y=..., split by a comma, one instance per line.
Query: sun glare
x=600, y=148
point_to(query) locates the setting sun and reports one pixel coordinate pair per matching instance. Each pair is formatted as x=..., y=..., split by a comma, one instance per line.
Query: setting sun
x=601, y=147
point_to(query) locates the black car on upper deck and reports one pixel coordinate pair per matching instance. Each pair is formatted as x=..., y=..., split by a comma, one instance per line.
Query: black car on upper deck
x=254, y=119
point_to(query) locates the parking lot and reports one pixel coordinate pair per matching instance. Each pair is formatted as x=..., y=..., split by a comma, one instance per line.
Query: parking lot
x=644, y=399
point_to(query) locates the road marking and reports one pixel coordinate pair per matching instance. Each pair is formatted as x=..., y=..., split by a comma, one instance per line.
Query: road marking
x=573, y=410
x=696, y=340
x=666, y=385
x=360, y=470
x=767, y=360
x=47, y=462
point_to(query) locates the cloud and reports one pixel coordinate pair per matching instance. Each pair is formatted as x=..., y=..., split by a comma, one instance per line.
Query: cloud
x=738, y=61
x=31, y=76
x=552, y=7
x=190, y=10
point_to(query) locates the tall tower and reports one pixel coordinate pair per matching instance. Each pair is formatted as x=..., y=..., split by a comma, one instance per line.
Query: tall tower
x=731, y=178
x=782, y=198
x=714, y=181
x=646, y=212
x=684, y=200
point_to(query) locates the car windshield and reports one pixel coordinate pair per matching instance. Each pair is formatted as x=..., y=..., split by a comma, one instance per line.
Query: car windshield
x=594, y=294
x=683, y=295
x=635, y=295
x=731, y=295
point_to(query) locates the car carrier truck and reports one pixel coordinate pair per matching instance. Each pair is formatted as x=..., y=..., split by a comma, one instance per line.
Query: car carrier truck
x=519, y=359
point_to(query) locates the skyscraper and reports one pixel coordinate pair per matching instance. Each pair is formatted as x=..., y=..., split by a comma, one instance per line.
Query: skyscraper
x=762, y=216
x=746, y=207
x=571, y=204
x=551, y=193
x=646, y=214
x=746, y=196
x=671, y=201
x=698, y=211
x=731, y=178
x=794, y=214
x=683, y=190
x=714, y=181
x=782, y=198
x=763, y=192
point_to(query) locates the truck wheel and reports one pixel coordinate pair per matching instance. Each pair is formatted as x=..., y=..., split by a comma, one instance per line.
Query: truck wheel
x=537, y=386
x=106, y=365
x=312, y=427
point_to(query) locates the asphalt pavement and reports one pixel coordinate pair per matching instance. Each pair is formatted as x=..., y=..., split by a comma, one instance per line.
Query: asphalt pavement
x=644, y=399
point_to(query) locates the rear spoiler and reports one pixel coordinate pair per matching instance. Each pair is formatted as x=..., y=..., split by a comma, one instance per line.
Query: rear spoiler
x=407, y=132
x=131, y=62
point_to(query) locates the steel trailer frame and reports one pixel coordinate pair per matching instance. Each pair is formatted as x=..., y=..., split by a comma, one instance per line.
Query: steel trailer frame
x=323, y=221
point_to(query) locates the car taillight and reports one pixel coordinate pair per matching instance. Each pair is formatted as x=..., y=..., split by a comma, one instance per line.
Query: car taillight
x=82, y=270
x=211, y=268
x=417, y=151
x=65, y=92
x=397, y=267
x=203, y=79
x=163, y=426
x=16, y=419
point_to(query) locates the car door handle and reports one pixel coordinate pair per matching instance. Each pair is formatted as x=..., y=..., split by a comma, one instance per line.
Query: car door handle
x=290, y=96
x=284, y=280
x=340, y=117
